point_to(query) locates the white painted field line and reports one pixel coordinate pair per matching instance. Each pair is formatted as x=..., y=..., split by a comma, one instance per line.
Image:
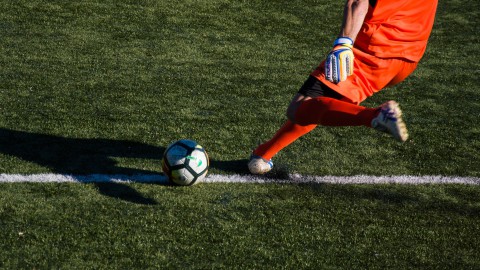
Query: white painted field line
x=216, y=178
x=357, y=179
x=90, y=178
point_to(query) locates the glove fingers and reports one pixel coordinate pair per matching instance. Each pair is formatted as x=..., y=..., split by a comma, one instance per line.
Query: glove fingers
x=329, y=71
x=339, y=65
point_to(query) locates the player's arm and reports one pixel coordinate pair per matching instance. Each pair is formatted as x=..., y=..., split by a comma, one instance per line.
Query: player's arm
x=339, y=62
x=353, y=16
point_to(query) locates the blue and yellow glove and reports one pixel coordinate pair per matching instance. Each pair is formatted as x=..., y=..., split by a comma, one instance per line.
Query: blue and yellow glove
x=339, y=62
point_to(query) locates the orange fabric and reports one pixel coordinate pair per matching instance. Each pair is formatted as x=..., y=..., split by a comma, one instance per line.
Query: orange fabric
x=397, y=29
x=392, y=40
x=287, y=134
x=370, y=75
x=321, y=110
x=327, y=111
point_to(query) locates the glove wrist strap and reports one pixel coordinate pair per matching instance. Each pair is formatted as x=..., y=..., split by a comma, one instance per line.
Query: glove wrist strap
x=343, y=41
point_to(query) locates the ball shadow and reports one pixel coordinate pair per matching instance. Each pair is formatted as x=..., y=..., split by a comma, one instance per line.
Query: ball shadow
x=82, y=157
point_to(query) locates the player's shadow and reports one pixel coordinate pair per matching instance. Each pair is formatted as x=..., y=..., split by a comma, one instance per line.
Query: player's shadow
x=76, y=156
x=231, y=166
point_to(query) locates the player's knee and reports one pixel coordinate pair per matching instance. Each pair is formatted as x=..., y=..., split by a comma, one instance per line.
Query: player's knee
x=294, y=105
x=291, y=113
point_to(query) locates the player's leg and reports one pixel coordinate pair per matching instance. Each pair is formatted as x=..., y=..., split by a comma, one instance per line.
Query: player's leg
x=390, y=118
x=260, y=160
x=305, y=113
x=288, y=132
x=327, y=111
x=316, y=101
x=371, y=75
x=315, y=104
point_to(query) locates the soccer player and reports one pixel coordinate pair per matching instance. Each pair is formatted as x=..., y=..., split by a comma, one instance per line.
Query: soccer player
x=379, y=45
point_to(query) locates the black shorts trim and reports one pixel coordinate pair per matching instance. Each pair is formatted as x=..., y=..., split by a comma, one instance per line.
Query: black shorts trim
x=313, y=88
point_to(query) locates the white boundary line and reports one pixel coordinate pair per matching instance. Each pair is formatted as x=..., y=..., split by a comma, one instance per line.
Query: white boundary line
x=216, y=178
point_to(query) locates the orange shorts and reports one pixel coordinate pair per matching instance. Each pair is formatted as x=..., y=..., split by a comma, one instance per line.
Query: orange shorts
x=370, y=75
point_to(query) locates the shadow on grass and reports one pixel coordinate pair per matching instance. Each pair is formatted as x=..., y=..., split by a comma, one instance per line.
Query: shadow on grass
x=82, y=157
x=231, y=166
x=426, y=198
x=123, y=192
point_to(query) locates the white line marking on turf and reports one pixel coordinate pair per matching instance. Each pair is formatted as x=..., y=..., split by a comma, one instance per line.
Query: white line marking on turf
x=216, y=178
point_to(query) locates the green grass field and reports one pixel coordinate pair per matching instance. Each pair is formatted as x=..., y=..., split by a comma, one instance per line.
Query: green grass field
x=102, y=87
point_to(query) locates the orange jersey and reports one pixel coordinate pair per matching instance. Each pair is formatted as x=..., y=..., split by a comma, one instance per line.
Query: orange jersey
x=387, y=49
x=397, y=29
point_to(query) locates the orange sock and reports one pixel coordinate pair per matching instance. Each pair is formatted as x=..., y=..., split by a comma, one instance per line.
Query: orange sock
x=323, y=111
x=333, y=112
x=287, y=134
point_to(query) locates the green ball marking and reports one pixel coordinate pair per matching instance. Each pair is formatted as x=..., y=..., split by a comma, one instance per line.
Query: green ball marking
x=199, y=161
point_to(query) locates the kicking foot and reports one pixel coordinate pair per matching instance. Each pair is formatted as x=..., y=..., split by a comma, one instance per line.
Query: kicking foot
x=390, y=120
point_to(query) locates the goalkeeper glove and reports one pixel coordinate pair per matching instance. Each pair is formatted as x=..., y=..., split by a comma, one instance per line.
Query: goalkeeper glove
x=339, y=62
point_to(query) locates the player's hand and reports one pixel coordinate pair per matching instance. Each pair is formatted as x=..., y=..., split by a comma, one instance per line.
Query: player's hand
x=339, y=62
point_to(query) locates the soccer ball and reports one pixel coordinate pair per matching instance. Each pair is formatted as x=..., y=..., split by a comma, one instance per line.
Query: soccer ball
x=185, y=162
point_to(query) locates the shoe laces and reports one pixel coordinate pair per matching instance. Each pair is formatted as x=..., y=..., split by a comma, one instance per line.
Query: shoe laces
x=388, y=114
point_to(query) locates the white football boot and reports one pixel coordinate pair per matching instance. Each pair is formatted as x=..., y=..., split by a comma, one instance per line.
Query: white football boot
x=259, y=165
x=389, y=120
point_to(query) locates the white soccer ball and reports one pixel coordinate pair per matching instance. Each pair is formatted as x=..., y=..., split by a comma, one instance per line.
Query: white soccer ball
x=185, y=162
